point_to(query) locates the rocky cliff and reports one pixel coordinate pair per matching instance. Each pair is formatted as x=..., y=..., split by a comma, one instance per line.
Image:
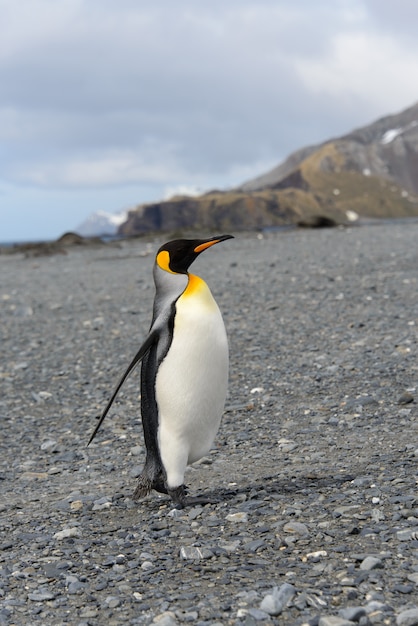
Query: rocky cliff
x=372, y=171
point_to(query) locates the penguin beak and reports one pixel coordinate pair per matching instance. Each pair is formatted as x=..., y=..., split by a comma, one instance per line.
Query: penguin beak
x=211, y=242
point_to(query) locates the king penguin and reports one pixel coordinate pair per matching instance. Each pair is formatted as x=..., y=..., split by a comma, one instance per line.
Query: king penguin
x=184, y=374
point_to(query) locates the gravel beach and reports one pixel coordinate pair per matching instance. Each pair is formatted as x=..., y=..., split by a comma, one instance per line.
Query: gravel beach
x=315, y=464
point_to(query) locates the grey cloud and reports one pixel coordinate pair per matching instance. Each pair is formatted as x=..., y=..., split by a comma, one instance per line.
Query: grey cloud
x=396, y=18
x=211, y=84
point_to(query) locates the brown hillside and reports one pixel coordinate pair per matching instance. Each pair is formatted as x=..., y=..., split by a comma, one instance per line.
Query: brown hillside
x=372, y=171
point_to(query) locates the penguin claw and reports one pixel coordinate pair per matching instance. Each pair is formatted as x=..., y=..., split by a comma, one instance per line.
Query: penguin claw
x=180, y=500
x=201, y=500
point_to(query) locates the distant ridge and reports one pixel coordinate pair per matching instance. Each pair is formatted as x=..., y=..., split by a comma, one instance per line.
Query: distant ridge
x=371, y=172
x=387, y=148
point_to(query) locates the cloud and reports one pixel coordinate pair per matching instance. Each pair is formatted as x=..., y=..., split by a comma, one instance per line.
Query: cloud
x=96, y=94
x=359, y=60
x=203, y=83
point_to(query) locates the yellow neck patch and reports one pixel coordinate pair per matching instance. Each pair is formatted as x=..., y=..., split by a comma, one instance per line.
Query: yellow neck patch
x=194, y=285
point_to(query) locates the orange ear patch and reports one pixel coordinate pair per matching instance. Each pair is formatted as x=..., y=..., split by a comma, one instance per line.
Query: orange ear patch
x=163, y=261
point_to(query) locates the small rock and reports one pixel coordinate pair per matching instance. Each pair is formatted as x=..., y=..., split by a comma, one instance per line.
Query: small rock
x=23, y=311
x=258, y=614
x=374, y=606
x=315, y=556
x=405, y=398
x=135, y=471
x=76, y=505
x=41, y=596
x=408, y=617
x=407, y=534
x=102, y=503
x=315, y=601
x=47, y=445
x=334, y=620
x=21, y=366
x=192, y=552
x=298, y=528
x=413, y=577
x=286, y=445
x=165, y=619
x=371, y=562
x=75, y=587
x=67, y=532
x=352, y=613
x=230, y=546
x=195, y=512
x=403, y=588
x=253, y=546
x=237, y=517
x=89, y=612
x=274, y=603
x=120, y=558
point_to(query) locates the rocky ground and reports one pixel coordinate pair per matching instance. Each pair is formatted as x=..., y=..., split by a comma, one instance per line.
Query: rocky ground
x=315, y=465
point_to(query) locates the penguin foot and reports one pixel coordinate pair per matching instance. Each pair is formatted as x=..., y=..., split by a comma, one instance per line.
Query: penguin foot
x=179, y=498
x=143, y=488
x=147, y=484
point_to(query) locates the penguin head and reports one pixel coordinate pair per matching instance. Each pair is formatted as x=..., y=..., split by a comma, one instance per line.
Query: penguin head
x=176, y=256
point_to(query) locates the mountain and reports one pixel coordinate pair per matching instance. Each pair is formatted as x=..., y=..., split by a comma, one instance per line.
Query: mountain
x=386, y=149
x=101, y=223
x=371, y=172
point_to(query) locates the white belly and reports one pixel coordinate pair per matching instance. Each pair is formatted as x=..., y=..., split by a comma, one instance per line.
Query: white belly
x=191, y=383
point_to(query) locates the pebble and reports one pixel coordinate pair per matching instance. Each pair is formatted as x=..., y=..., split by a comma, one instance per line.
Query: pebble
x=405, y=398
x=236, y=518
x=41, y=596
x=191, y=552
x=407, y=534
x=274, y=603
x=409, y=617
x=352, y=613
x=371, y=562
x=297, y=528
x=67, y=533
x=167, y=618
x=334, y=620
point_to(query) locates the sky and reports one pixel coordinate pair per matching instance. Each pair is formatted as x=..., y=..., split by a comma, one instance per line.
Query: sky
x=105, y=105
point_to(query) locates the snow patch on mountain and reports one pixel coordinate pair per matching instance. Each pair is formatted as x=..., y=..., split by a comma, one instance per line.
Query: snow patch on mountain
x=101, y=223
x=391, y=134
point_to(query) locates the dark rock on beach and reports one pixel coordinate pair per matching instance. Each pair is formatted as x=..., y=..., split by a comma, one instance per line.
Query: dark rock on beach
x=48, y=248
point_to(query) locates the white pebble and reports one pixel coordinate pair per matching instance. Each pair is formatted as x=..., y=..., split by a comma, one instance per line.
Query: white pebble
x=235, y=518
x=67, y=532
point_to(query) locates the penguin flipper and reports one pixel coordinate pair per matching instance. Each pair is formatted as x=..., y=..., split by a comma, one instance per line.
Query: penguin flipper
x=146, y=346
